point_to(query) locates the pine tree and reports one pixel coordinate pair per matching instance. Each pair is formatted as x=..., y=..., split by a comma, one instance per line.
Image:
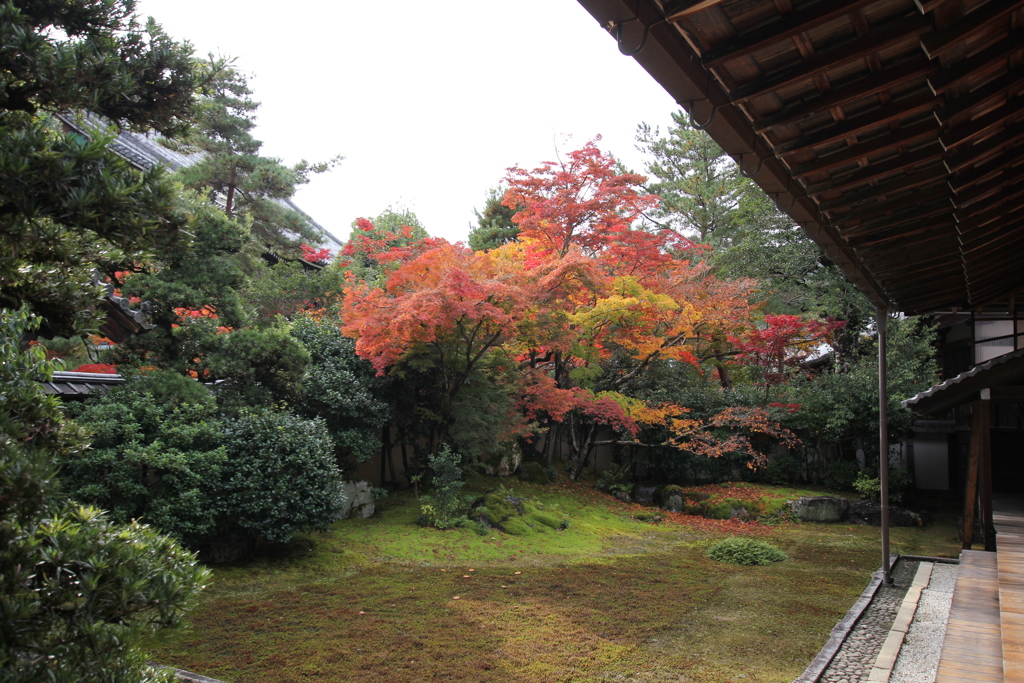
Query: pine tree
x=249, y=186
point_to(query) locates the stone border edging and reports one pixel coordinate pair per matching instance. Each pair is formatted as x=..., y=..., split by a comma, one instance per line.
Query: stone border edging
x=842, y=629
x=886, y=661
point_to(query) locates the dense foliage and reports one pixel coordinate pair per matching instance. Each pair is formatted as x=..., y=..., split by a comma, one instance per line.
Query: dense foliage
x=163, y=453
x=64, y=569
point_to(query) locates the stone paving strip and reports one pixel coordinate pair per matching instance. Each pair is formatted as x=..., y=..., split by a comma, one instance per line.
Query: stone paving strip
x=886, y=660
x=897, y=636
x=919, y=657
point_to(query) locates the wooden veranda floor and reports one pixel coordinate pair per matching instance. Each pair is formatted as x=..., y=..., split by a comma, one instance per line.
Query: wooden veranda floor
x=985, y=632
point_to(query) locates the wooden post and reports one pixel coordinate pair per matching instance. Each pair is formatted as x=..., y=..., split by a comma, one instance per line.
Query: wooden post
x=981, y=422
x=979, y=444
x=881, y=320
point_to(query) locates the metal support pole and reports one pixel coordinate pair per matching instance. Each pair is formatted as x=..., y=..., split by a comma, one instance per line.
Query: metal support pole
x=881, y=320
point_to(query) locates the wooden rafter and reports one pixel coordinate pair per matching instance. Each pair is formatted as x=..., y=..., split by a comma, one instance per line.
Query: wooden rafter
x=915, y=104
x=898, y=183
x=785, y=27
x=978, y=21
x=872, y=84
x=915, y=134
x=897, y=32
x=988, y=60
x=899, y=163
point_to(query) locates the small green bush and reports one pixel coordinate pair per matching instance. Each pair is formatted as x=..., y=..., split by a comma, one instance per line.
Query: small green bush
x=445, y=508
x=745, y=551
x=871, y=488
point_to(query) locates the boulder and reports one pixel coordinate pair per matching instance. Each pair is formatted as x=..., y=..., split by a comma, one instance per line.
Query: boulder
x=645, y=494
x=358, y=500
x=674, y=503
x=739, y=513
x=623, y=496
x=820, y=508
x=503, y=461
x=870, y=512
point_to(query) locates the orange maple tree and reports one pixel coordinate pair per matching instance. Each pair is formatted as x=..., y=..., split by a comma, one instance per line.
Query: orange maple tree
x=581, y=287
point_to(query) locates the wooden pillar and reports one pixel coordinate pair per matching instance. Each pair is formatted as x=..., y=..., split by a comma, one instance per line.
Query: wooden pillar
x=881, y=320
x=983, y=424
x=979, y=467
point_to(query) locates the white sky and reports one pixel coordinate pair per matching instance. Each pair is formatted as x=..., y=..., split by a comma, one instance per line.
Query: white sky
x=428, y=102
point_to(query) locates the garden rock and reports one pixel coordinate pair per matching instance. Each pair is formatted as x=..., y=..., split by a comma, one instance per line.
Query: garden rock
x=739, y=513
x=820, y=508
x=503, y=463
x=645, y=494
x=358, y=500
x=870, y=512
x=623, y=496
x=674, y=504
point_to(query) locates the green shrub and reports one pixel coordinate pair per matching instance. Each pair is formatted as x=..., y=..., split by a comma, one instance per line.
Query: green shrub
x=163, y=454
x=871, y=487
x=280, y=476
x=615, y=479
x=745, y=551
x=156, y=455
x=445, y=507
x=841, y=476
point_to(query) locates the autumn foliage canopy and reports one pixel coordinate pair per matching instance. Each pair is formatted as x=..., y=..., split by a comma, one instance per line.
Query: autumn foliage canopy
x=570, y=314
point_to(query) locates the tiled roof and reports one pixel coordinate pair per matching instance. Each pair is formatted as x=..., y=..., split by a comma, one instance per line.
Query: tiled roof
x=145, y=152
x=1000, y=370
x=80, y=383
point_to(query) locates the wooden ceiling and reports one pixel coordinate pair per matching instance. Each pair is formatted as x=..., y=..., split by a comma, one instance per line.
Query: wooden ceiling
x=891, y=130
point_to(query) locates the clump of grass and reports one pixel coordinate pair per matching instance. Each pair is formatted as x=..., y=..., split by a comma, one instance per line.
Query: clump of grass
x=745, y=551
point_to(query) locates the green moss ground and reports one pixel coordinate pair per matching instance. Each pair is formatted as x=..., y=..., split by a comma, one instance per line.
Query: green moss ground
x=609, y=599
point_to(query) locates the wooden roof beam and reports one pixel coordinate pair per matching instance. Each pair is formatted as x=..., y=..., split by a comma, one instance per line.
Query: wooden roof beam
x=984, y=171
x=872, y=84
x=783, y=28
x=981, y=191
x=983, y=125
x=911, y=135
x=926, y=155
x=674, y=11
x=893, y=209
x=898, y=183
x=881, y=37
x=986, y=18
x=989, y=59
x=986, y=149
x=990, y=94
x=908, y=106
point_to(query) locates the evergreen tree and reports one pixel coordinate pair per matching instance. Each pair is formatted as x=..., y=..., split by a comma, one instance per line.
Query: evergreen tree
x=697, y=181
x=249, y=186
x=494, y=226
x=66, y=611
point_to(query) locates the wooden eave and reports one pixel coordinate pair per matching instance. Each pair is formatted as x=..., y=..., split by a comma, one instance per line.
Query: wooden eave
x=1001, y=376
x=892, y=131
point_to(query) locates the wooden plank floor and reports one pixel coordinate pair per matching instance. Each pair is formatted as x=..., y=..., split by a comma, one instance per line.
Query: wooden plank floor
x=1008, y=517
x=972, y=649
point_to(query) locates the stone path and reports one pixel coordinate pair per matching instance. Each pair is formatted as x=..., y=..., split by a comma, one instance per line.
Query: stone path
x=919, y=657
x=853, y=662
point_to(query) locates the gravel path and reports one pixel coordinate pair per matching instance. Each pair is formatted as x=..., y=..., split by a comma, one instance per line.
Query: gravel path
x=859, y=651
x=919, y=657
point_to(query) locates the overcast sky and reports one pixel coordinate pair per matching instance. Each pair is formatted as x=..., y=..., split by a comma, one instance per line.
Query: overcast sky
x=427, y=102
